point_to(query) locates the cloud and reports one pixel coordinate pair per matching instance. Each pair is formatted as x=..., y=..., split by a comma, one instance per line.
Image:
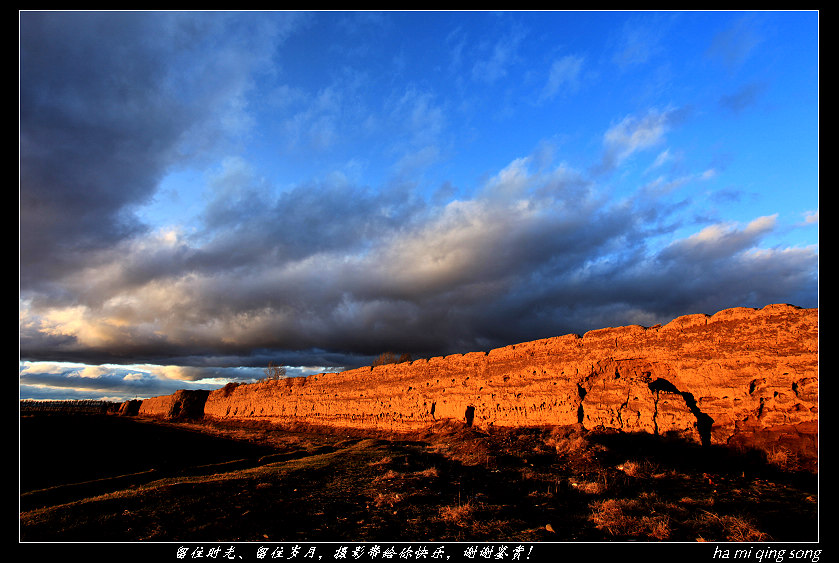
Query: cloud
x=43, y=380
x=638, y=42
x=743, y=98
x=503, y=54
x=417, y=117
x=721, y=240
x=104, y=113
x=708, y=174
x=662, y=158
x=733, y=45
x=316, y=123
x=634, y=134
x=564, y=76
x=349, y=272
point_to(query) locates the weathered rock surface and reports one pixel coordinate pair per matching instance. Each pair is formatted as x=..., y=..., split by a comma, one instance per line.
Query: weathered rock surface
x=740, y=372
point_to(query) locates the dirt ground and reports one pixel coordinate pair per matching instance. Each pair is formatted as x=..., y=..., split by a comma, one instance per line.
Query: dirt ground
x=127, y=479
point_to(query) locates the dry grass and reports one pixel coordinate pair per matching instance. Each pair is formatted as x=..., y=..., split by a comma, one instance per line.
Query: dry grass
x=782, y=458
x=568, y=443
x=458, y=513
x=631, y=468
x=386, y=460
x=649, y=517
x=429, y=473
x=641, y=469
x=251, y=483
x=727, y=528
x=388, y=475
x=632, y=518
x=387, y=499
x=588, y=487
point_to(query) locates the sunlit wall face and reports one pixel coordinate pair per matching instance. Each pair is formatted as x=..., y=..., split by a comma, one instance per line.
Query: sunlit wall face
x=202, y=193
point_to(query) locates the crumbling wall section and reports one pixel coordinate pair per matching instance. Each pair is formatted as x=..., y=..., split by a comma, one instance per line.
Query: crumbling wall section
x=181, y=405
x=130, y=408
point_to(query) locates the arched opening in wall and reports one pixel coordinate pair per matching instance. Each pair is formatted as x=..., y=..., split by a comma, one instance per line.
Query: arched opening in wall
x=470, y=415
x=703, y=421
x=581, y=391
x=433, y=408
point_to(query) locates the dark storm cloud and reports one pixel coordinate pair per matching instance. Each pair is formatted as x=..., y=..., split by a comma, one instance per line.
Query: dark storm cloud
x=97, y=129
x=537, y=254
x=107, y=105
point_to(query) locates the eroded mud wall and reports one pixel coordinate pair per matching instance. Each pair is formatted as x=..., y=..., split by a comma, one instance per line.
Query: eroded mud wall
x=704, y=377
x=183, y=404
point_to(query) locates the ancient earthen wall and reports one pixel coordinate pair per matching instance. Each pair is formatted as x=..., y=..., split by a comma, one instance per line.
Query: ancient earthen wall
x=704, y=377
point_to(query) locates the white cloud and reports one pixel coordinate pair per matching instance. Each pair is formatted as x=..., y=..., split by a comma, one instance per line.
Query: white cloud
x=708, y=174
x=564, y=76
x=723, y=240
x=504, y=54
x=418, y=117
x=662, y=158
x=639, y=41
x=93, y=371
x=634, y=134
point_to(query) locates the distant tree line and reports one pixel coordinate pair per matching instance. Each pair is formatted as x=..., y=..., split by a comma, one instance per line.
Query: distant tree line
x=80, y=406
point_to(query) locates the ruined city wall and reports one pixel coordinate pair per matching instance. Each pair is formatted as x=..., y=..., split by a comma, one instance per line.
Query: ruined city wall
x=738, y=372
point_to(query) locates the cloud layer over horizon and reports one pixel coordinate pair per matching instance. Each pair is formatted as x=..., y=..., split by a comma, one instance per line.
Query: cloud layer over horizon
x=201, y=193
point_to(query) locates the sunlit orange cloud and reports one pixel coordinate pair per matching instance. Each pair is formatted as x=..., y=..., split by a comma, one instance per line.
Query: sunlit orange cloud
x=95, y=333
x=93, y=372
x=80, y=323
x=729, y=233
x=180, y=373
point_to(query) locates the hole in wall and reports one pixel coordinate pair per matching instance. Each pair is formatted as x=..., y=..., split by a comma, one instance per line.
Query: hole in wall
x=470, y=415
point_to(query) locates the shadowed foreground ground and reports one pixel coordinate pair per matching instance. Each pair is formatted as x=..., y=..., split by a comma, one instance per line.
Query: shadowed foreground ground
x=120, y=479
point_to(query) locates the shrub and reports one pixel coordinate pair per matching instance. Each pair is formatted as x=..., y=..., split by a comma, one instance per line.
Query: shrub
x=391, y=358
x=458, y=513
x=644, y=517
x=782, y=458
x=387, y=499
x=274, y=372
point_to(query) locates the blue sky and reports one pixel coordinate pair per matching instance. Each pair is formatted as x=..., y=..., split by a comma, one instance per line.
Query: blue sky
x=204, y=192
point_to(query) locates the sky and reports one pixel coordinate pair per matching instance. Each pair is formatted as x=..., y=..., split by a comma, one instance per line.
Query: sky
x=202, y=193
